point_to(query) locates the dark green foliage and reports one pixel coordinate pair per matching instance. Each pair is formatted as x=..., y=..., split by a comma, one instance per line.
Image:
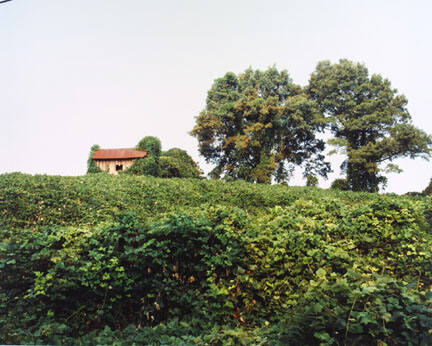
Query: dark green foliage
x=145, y=166
x=340, y=184
x=119, y=274
x=259, y=125
x=106, y=259
x=91, y=165
x=428, y=190
x=311, y=180
x=359, y=311
x=152, y=145
x=368, y=119
x=150, y=164
x=170, y=167
x=176, y=163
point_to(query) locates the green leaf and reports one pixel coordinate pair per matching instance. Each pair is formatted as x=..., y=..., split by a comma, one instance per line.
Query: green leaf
x=321, y=273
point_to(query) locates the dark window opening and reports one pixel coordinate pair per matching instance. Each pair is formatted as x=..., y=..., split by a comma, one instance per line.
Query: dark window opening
x=119, y=167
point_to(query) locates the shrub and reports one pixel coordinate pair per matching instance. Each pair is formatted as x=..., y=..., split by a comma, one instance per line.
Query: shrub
x=340, y=184
x=176, y=163
x=311, y=180
x=145, y=166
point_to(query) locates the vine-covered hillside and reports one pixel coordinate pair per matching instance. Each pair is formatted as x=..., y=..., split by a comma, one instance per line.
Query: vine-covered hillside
x=123, y=259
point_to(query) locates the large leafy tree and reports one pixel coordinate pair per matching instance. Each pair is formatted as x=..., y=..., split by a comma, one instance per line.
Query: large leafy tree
x=369, y=120
x=259, y=125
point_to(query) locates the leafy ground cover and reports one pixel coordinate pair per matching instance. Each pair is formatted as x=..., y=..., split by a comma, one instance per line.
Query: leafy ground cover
x=114, y=260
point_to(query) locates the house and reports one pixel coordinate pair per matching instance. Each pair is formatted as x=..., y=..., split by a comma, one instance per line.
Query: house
x=115, y=160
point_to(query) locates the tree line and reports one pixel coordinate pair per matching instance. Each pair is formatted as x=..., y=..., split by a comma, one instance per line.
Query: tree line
x=259, y=126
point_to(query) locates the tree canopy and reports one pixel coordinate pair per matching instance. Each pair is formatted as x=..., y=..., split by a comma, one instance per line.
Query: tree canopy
x=148, y=165
x=259, y=125
x=152, y=145
x=174, y=163
x=369, y=120
x=177, y=163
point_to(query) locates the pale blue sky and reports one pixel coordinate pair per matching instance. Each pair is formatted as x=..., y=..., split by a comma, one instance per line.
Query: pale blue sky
x=77, y=72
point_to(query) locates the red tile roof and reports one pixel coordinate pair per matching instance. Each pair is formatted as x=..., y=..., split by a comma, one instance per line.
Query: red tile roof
x=112, y=154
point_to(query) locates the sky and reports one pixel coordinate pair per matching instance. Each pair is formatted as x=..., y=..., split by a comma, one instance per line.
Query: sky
x=109, y=72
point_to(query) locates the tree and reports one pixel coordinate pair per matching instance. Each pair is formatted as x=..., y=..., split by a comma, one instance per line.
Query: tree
x=259, y=125
x=177, y=163
x=340, y=184
x=428, y=190
x=92, y=167
x=174, y=163
x=148, y=165
x=369, y=121
x=145, y=166
x=152, y=145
